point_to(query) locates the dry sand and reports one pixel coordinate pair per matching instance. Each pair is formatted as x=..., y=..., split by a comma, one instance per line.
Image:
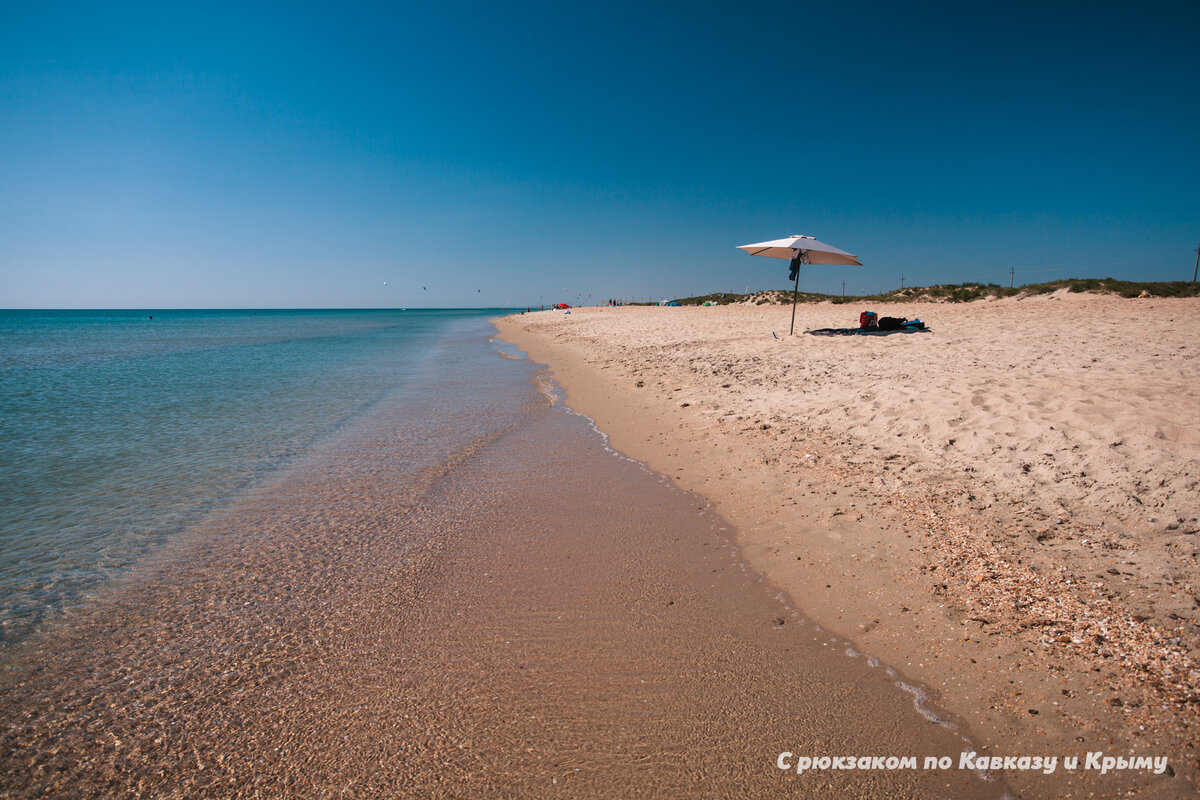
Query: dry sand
x=1005, y=507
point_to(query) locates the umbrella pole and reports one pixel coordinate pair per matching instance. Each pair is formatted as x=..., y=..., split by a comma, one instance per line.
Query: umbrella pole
x=795, y=294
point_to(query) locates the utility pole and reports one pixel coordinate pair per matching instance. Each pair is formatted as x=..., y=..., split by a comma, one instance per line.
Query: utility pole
x=1011, y=274
x=1197, y=269
x=844, y=283
x=901, y=281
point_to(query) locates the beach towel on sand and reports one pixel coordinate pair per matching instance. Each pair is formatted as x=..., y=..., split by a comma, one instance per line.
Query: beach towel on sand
x=915, y=326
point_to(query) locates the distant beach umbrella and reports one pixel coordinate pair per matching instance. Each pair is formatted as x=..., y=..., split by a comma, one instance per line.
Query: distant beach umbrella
x=799, y=249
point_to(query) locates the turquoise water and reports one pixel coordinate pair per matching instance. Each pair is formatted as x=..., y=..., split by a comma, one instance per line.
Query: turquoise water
x=119, y=429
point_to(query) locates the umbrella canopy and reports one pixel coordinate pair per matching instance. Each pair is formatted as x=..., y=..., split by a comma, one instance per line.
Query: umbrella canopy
x=793, y=246
x=800, y=250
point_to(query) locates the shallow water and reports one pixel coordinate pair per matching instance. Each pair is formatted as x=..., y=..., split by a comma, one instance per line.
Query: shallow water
x=461, y=592
x=119, y=430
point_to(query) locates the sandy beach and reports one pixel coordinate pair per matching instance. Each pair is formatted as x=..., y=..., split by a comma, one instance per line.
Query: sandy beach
x=1004, y=507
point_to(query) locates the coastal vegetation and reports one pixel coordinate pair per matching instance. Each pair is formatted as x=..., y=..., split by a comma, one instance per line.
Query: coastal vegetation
x=958, y=293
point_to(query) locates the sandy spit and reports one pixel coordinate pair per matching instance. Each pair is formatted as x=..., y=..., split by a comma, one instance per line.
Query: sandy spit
x=1005, y=507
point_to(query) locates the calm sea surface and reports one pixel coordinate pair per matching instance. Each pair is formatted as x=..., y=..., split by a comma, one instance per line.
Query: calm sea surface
x=118, y=430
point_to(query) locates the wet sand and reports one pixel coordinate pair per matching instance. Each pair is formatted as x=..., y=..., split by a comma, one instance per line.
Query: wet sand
x=1004, y=507
x=529, y=615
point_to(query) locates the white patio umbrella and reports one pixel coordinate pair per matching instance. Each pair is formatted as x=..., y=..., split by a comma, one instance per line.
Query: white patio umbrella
x=800, y=250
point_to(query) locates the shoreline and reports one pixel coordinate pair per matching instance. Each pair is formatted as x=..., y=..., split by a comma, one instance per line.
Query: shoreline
x=505, y=610
x=959, y=578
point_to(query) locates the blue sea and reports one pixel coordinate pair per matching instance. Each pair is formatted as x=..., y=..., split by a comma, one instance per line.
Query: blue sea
x=120, y=429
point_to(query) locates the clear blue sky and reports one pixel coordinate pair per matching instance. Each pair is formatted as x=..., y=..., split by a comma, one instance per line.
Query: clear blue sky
x=301, y=154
